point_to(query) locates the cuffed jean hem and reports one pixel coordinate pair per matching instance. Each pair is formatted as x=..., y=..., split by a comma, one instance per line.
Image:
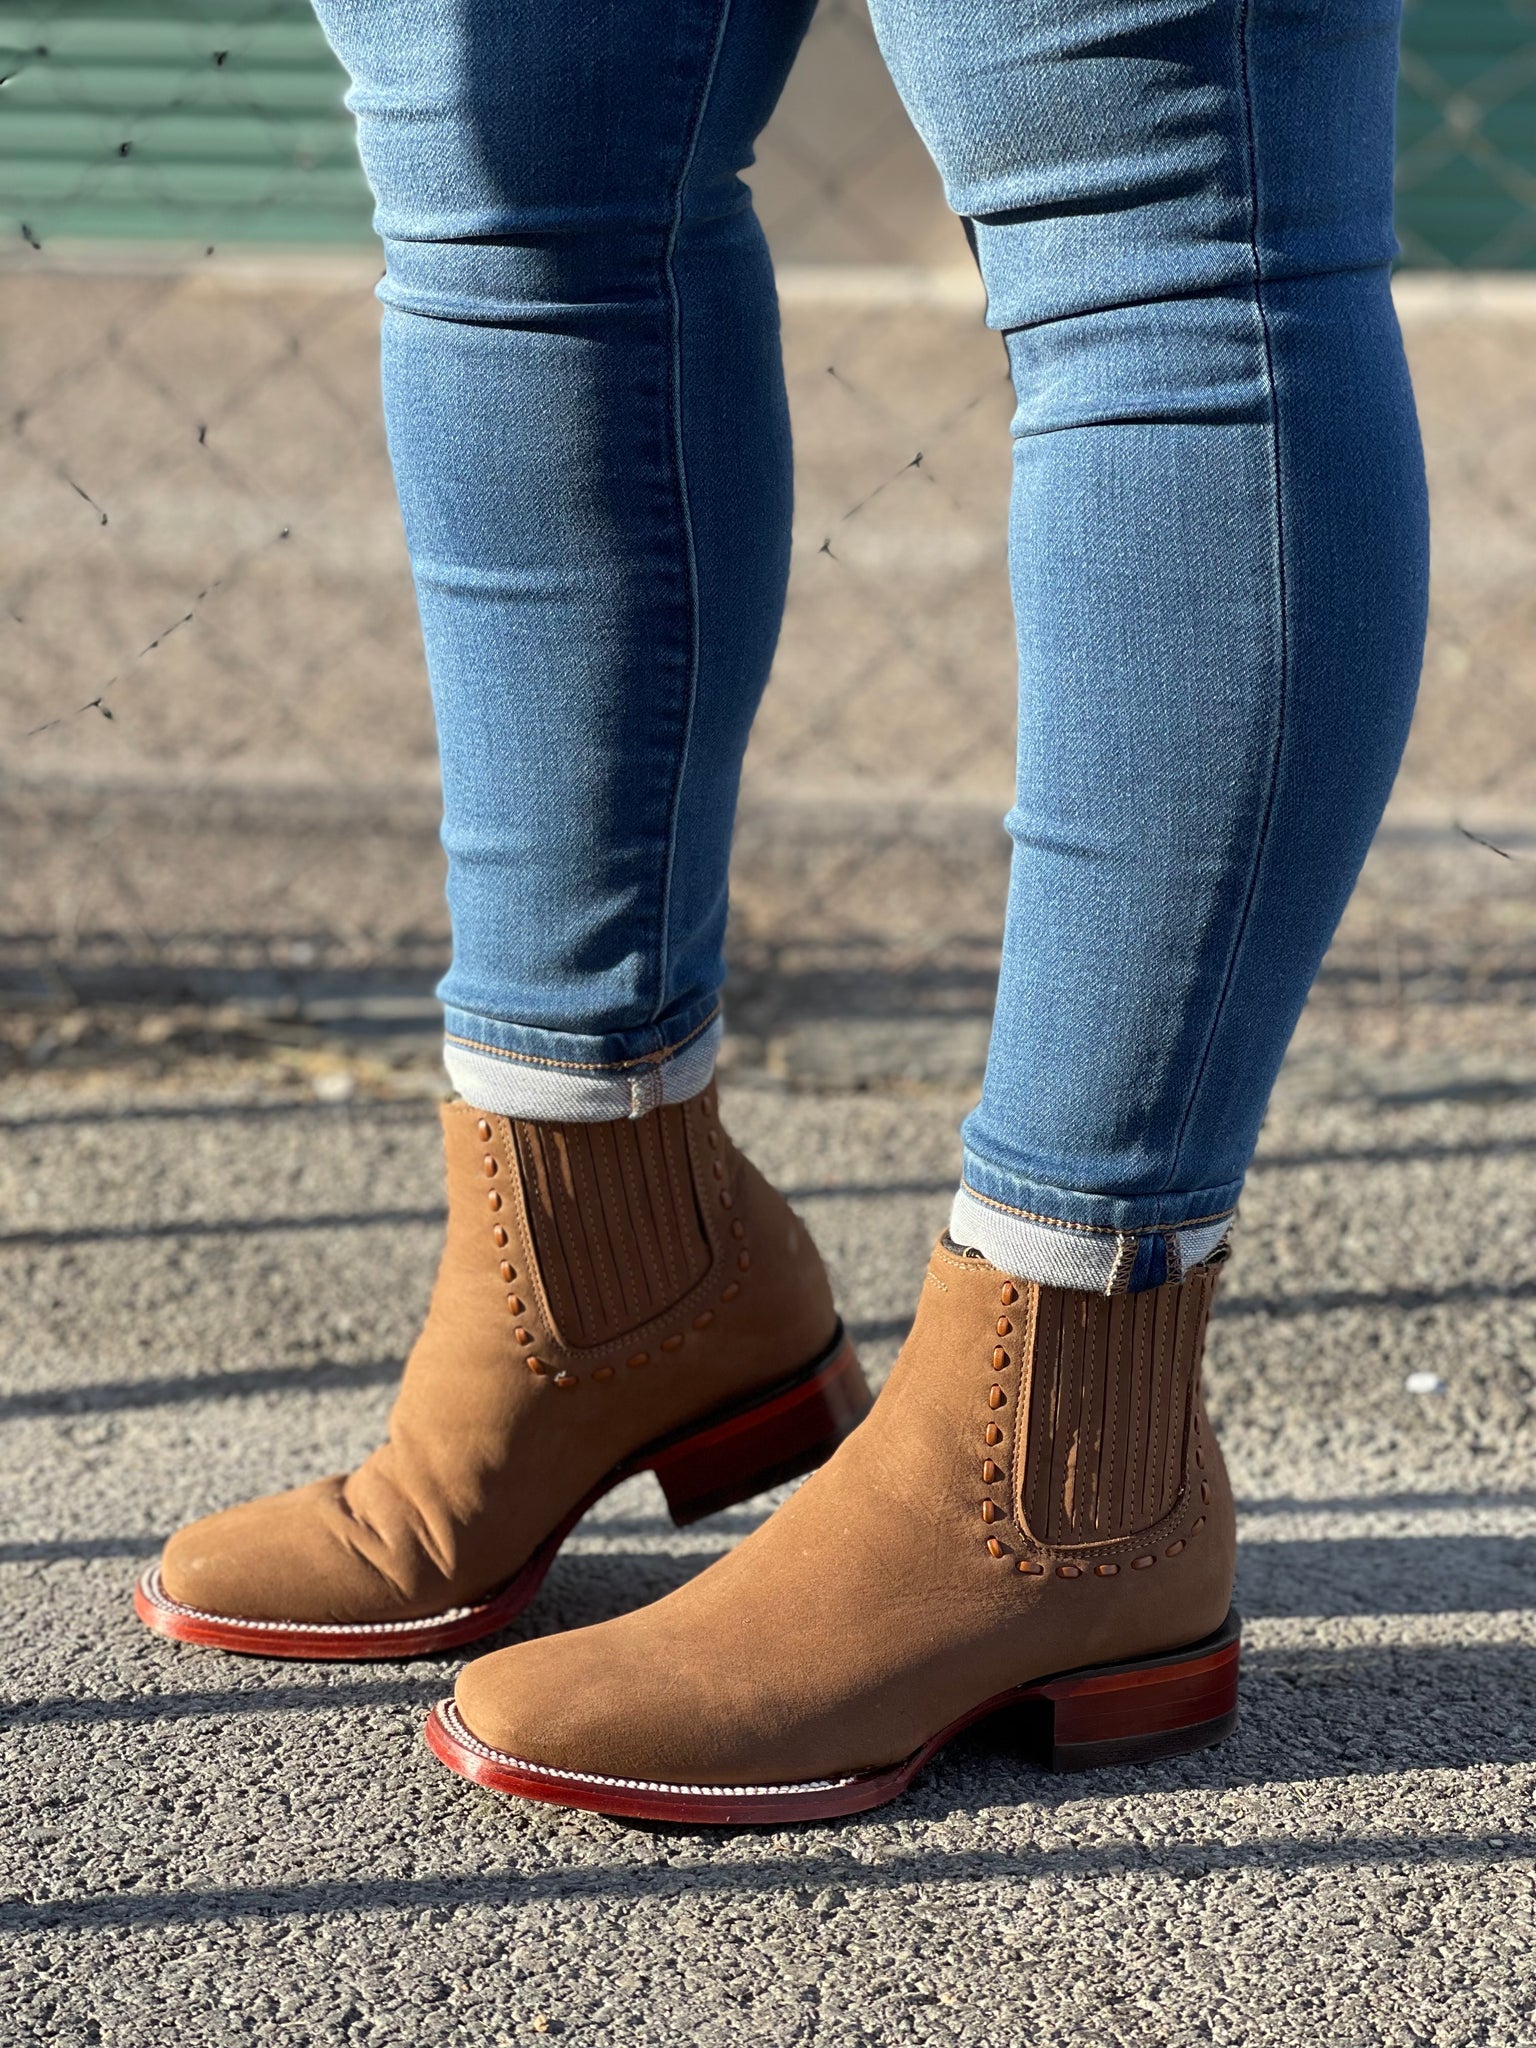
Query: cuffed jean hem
x=521, y=1081
x=1098, y=1259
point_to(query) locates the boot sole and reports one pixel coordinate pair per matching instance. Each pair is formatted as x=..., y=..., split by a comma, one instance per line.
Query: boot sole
x=732, y=1454
x=1150, y=1707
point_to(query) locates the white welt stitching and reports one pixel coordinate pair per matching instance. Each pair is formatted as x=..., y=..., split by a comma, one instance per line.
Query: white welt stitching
x=448, y=1713
x=156, y=1591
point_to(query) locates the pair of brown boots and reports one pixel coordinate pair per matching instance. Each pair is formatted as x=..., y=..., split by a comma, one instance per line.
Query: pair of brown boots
x=1034, y=1518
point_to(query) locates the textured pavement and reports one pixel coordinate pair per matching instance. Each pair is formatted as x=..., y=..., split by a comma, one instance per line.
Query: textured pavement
x=220, y=923
x=205, y=1298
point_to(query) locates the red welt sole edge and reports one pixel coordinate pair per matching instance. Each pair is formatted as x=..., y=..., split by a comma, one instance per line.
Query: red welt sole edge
x=1204, y=1676
x=833, y=1388
x=355, y=1643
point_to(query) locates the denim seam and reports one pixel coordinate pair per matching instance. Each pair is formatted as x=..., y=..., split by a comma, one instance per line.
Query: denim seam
x=1244, y=26
x=690, y=555
x=533, y=1059
x=1093, y=1229
x=1126, y=1254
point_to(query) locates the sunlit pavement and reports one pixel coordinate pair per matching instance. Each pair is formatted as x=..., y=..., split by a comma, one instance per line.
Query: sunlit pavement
x=203, y=1301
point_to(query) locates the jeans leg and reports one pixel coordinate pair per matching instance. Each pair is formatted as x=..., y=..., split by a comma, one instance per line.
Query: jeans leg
x=588, y=425
x=1182, y=212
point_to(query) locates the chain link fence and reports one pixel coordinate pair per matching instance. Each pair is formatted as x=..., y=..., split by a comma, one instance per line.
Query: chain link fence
x=218, y=785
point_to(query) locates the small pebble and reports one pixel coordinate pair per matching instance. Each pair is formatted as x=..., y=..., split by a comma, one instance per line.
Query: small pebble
x=1424, y=1383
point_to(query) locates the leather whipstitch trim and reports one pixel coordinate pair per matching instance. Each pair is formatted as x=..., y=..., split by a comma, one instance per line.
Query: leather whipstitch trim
x=705, y=1290
x=1174, y=1520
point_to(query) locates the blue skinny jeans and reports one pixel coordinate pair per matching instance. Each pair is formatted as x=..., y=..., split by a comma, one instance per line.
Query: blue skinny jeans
x=1218, y=547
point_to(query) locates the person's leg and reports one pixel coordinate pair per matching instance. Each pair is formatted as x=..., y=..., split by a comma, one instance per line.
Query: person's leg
x=1219, y=558
x=587, y=418
x=1182, y=213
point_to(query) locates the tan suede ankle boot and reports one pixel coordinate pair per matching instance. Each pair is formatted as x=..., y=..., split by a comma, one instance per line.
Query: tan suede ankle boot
x=613, y=1298
x=1034, y=1520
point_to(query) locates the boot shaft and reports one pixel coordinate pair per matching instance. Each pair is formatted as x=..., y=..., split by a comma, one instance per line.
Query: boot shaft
x=1075, y=1423
x=593, y=1251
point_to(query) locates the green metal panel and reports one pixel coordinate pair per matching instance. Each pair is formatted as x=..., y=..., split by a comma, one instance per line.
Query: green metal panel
x=198, y=120
x=1466, y=149
x=217, y=120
